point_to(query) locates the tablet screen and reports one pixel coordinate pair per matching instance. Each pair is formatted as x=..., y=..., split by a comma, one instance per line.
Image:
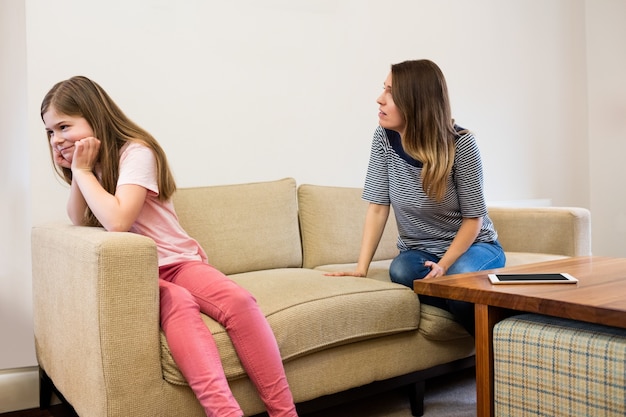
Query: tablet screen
x=534, y=278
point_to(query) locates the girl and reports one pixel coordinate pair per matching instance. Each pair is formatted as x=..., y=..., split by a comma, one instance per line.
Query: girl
x=430, y=171
x=120, y=179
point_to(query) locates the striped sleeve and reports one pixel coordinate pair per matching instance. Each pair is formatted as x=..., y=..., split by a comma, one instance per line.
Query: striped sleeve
x=468, y=177
x=376, y=189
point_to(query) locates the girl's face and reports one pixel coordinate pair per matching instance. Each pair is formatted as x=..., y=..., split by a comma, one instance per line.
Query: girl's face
x=63, y=131
x=389, y=115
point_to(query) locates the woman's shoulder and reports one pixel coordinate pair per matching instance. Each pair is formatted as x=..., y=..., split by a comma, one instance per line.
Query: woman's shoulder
x=462, y=132
x=386, y=136
x=464, y=137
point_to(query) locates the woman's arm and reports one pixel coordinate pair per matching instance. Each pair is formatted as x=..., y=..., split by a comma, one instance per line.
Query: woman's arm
x=375, y=221
x=465, y=237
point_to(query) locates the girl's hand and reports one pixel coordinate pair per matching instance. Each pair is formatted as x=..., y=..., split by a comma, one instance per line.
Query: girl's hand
x=85, y=154
x=59, y=159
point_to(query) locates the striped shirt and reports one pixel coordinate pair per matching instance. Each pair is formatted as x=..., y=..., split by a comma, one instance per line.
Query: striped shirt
x=394, y=178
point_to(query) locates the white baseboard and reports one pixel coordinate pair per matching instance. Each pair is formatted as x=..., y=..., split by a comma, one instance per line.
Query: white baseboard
x=19, y=389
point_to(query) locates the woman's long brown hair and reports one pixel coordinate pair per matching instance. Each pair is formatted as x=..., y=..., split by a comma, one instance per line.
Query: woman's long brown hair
x=81, y=97
x=421, y=94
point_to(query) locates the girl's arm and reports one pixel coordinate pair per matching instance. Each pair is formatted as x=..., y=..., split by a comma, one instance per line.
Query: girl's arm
x=375, y=221
x=117, y=212
x=465, y=237
x=76, y=205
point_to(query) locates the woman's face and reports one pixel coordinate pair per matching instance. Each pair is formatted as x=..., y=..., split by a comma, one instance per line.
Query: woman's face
x=389, y=115
x=63, y=131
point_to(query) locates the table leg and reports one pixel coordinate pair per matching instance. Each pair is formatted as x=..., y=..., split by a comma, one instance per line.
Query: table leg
x=486, y=317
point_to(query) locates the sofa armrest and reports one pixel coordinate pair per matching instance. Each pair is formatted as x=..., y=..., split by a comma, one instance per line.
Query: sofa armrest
x=551, y=230
x=96, y=315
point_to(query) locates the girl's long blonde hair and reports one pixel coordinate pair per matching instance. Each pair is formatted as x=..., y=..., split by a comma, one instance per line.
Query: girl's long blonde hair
x=81, y=97
x=421, y=94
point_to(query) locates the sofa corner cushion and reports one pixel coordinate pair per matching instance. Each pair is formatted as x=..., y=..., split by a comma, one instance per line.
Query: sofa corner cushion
x=331, y=220
x=244, y=227
x=523, y=258
x=437, y=324
x=310, y=312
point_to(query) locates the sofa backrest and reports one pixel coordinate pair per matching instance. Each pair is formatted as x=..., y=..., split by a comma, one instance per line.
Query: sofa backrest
x=244, y=227
x=331, y=223
x=550, y=230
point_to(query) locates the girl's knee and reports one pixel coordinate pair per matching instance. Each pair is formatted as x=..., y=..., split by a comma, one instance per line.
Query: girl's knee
x=175, y=301
x=240, y=299
x=233, y=299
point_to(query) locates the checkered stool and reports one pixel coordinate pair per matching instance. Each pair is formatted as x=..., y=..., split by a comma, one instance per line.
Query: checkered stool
x=547, y=366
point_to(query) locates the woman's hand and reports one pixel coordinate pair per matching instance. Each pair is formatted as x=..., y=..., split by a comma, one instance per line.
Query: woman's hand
x=345, y=274
x=85, y=154
x=436, y=270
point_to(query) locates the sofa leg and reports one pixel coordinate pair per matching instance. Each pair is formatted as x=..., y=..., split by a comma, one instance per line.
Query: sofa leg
x=46, y=388
x=416, y=398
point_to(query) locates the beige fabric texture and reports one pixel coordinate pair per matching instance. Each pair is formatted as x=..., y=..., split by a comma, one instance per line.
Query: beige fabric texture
x=244, y=227
x=547, y=230
x=331, y=219
x=95, y=305
x=309, y=312
x=96, y=312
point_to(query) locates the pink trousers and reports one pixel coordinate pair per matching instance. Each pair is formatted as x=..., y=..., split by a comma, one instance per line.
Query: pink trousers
x=188, y=288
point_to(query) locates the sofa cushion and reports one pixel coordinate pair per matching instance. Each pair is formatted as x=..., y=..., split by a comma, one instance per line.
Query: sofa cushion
x=378, y=270
x=310, y=312
x=244, y=227
x=523, y=258
x=435, y=323
x=440, y=325
x=331, y=219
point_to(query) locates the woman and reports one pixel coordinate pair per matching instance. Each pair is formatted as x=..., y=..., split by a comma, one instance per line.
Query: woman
x=429, y=170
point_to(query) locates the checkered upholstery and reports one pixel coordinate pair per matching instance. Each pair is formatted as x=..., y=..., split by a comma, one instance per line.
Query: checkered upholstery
x=547, y=366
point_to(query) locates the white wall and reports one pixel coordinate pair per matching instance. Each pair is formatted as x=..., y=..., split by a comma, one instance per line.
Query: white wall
x=18, y=389
x=239, y=91
x=15, y=189
x=249, y=90
x=606, y=57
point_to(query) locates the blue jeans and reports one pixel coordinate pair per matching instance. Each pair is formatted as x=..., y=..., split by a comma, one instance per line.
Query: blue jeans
x=409, y=266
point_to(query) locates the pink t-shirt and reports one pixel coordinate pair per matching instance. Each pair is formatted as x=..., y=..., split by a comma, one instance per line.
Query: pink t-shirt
x=157, y=220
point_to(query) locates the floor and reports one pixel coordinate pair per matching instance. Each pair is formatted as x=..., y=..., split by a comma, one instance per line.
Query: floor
x=59, y=410
x=458, y=390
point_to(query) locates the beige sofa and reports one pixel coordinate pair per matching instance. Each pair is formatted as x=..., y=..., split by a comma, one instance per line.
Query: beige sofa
x=96, y=305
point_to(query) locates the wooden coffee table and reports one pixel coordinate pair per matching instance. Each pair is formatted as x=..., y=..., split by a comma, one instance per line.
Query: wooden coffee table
x=598, y=297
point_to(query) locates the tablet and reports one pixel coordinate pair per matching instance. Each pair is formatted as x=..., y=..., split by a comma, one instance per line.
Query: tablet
x=533, y=278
